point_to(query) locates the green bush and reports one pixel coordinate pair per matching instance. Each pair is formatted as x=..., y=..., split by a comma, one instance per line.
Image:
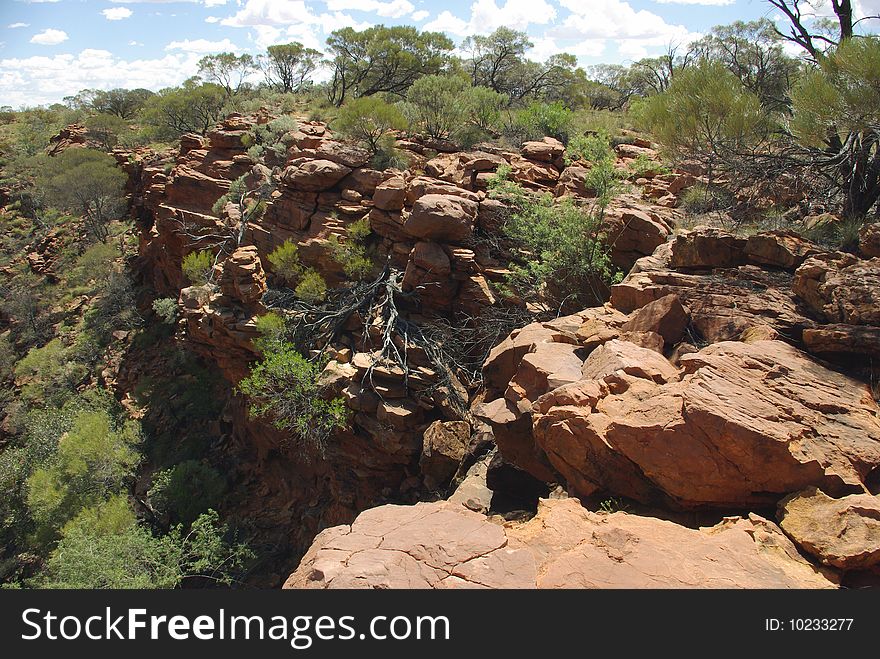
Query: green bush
x=368, y=119
x=237, y=188
x=545, y=119
x=166, y=309
x=94, y=460
x=285, y=262
x=283, y=387
x=105, y=547
x=186, y=490
x=352, y=254
x=312, y=288
x=561, y=258
x=271, y=328
x=197, y=266
x=701, y=198
x=438, y=105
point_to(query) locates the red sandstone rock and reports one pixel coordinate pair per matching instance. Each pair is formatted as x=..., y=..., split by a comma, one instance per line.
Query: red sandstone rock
x=844, y=533
x=441, y=218
x=314, y=175
x=445, y=545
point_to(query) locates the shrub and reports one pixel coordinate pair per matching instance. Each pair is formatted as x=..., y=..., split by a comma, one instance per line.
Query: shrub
x=388, y=156
x=438, y=105
x=285, y=262
x=283, y=387
x=546, y=119
x=484, y=108
x=93, y=461
x=166, y=309
x=702, y=198
x=271, y=328
x=105, y=547
x=197, y=266
x=561, y=258
x=237, y=188
x=352, y=254
x=186, y=490
x=312, y=287
x=368, y=119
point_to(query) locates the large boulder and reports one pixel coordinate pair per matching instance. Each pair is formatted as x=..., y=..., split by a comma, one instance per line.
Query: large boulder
x=314, y=175
x=841, y=288
x=747, y=424
x=844, y=533
x=243, y=278
x=445, y=545
x=442, y=218
x=443, y=448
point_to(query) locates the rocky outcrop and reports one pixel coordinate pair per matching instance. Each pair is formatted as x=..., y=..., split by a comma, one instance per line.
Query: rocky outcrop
x=844, y=533
x=444, y=545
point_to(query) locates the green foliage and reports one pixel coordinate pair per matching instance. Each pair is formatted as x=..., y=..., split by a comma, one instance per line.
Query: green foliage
x=368, y=120
x=48, y=375
x=383, y=59
x=190, y=108
x=86, y=182
x=485, y=107
x=93, y=462
x=186, y=490
x=285, y=262
x=642, y=165
x=352, y=254
x=105, y=547
x=705, y=111
x=106, y=129
x=197, y=266
x=545, y=119
x=702, y=198
x=166, y=309
x=227, y=70
x=388, y=156
x=603, y=177
x=438, y=105
x=560, y=255
x=237, y=189
x=283, y=387
x=288, y=66
x=271, y=328
x=122, y=103
x=311, y=287
x=94, y=264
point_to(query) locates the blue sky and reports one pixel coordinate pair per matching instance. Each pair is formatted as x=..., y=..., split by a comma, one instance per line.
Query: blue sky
x=53, y=48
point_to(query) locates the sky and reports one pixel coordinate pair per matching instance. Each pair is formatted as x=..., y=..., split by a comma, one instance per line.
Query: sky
x=50, y=49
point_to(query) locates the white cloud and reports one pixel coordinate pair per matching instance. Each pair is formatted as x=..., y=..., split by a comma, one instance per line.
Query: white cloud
x=389, y=9
x=117, y=13
x=420, y=15
x=487, y=16
x=719, y=3
x=49, y=37
x=212, y=19
x=135, y=43
x=40, y=79
x=637, y=33
x=214, y=3
x=13, y=26
x=202, y=46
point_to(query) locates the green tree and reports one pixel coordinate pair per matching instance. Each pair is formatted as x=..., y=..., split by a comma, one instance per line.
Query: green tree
x=86, y=182
x=498, y=61
x=227, y=70
x=368, y=120
x=283, y=387
x=383, y=59
x=186, y=490
x=438, y=105
x=287, y=67
x=836, y=121
x=122, y=103
x=94, y=461
x=753, y=52
x=105, y=547
x=105, y=129
x=705, y=114
x=190, y=108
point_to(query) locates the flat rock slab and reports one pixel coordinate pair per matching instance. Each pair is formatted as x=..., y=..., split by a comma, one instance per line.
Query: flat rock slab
x=444, y=545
